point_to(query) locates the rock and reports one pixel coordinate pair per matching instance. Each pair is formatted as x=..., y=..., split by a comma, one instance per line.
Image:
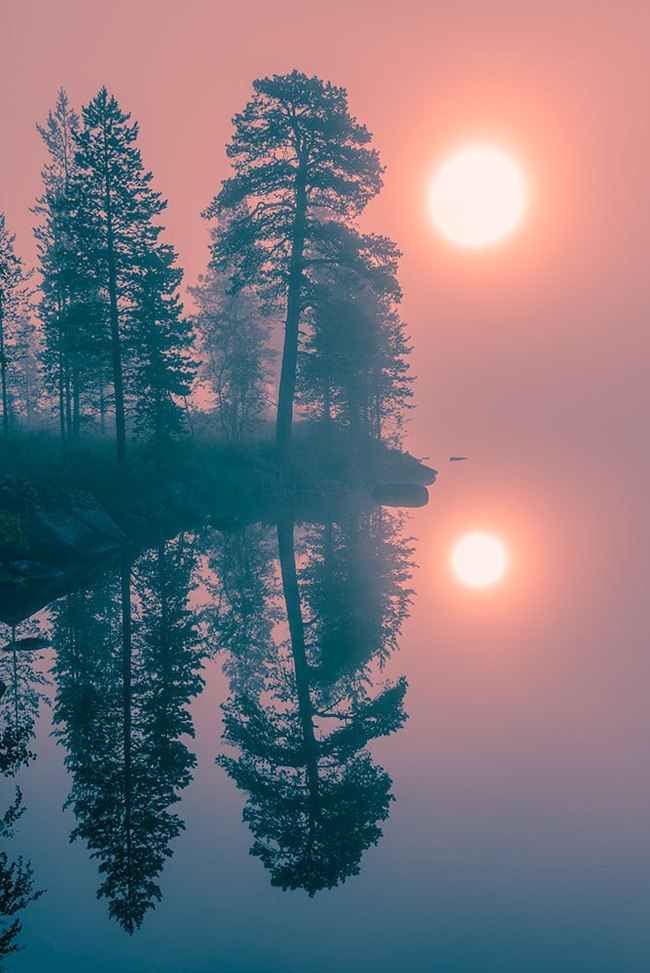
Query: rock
x=8, y=577
x=404, y=468
x=28, y=644
x=134, y=524
x=33, y=570
x=401, y=495
x=59, y=525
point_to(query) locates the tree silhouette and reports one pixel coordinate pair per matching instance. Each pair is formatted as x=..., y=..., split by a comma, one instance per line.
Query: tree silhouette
x=303, y=171
x=128, y=663
x=14, y=318
x=70, y=301
x=16, y=883
x=355, y=366
x=23, y=679
x=135, y=273
x=315, y=798
x=355, y=585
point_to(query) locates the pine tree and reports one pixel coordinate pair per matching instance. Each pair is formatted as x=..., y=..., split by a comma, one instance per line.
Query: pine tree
x=160, y=368
x=16, y=882
x=303, y=171
x=68, y=303
x=14, y=316
x=355, y=366
x=119, y=209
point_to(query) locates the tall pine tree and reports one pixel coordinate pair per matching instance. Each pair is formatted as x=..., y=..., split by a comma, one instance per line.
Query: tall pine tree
x=68, y=303
x=303, y=171
x=135, y=272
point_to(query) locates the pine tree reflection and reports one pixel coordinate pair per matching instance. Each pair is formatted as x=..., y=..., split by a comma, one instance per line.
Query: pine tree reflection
x=21, y=692
x=129, y=660
x=315, y=797
x=16, y=882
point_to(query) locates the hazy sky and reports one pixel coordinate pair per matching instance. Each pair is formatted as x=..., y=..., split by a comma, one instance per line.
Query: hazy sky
x=532, y=358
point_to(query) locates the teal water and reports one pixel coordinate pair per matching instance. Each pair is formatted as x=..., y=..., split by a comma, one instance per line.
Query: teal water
x=271, y=755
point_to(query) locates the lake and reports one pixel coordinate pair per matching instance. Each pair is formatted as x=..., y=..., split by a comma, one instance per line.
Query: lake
x=271, y=754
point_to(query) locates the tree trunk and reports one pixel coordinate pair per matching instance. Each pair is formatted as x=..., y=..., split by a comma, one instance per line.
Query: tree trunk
x=3, y=374
x=291, y=593
x=287, y=389
x=127, y=693
x=76, y=403
x=61, y=394
x=116, y=351
x=68, y=399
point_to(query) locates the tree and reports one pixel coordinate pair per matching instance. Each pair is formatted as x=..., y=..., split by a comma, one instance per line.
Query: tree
x=355, y=585
x=21, y=673
x=236, y=367
x=69, y=301
x=355, y=367
x=159, y=342
x=14, y=313
x=119, y=209
x=16, y=883
x=303, y=171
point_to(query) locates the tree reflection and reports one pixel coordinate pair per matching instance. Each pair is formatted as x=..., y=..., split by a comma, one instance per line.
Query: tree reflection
x=129, y=660
x=16, y=883
x=302, y=716
x=21, y=692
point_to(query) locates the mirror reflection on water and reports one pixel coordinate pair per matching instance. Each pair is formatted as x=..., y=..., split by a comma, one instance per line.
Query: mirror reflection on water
x=295, y=628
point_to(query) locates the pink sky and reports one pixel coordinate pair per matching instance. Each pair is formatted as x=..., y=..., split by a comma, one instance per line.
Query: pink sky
x=564, y=86
x=532, y=358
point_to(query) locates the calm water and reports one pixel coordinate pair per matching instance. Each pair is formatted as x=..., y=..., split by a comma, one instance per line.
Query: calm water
x=248, y=751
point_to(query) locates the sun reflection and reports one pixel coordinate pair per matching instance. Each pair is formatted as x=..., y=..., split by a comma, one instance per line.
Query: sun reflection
x=479, y=560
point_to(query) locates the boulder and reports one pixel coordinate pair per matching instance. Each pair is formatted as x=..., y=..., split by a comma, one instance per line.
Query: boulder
x=58, y=525
x=8, y=577
x=401, y=495
x=33, y=570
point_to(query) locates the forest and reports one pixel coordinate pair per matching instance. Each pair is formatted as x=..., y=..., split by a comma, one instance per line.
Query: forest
x=111, y=367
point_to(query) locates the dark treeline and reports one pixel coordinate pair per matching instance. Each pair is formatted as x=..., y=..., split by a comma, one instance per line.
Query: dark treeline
x=98, y=340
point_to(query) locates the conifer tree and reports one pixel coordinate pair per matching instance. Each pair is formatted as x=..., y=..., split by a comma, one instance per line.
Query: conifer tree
x=14, y=315
x=355, y=367
x=68, y=303
x=133, y=270
x=303, y=171
x=160, y=368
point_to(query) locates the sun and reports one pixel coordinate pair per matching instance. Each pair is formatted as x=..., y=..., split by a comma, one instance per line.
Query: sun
x=478, y=197
x=479, y=560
